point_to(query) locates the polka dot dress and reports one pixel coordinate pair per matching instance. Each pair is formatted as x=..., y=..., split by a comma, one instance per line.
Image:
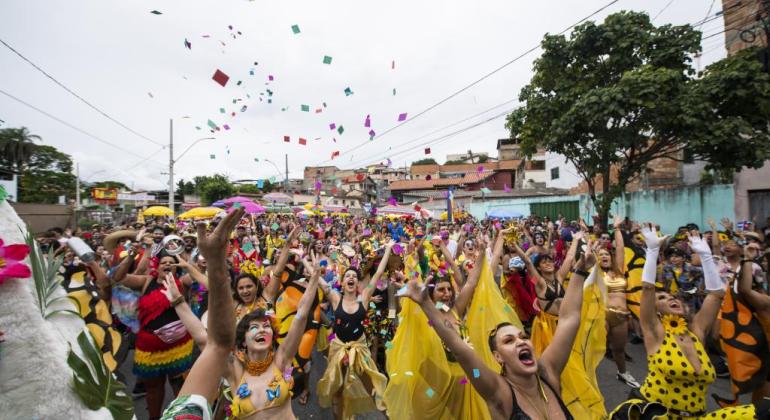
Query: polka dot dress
x=673, y=382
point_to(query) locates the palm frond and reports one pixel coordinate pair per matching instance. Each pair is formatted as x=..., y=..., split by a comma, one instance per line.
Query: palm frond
x=45, y=273
x=93, y=382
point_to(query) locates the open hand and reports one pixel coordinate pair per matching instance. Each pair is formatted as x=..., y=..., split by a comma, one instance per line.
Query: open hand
x=698, y=244
x=214, y=245
x=170, y=291
x=415, y=291
x=651, y=238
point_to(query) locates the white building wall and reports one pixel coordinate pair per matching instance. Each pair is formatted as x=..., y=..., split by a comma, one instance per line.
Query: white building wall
x=568, y=176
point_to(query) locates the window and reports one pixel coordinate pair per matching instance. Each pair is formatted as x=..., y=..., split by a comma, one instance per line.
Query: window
x=336, y=202
x=537, y=165
x=555, y=173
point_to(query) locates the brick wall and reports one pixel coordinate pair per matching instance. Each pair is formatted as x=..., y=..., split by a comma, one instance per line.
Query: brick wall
x=740, y=17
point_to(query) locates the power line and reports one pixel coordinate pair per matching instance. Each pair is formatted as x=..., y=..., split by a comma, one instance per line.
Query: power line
x=477, y=81
x=708, y=12
x=78, y=96
x=72, y=126
x=662, y=10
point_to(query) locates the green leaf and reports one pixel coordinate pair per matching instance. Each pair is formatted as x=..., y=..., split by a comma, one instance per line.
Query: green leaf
x=94, y=384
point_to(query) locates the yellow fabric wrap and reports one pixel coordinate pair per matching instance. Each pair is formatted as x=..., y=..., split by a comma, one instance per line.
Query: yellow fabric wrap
x=579, y=387
x=423, y=383
x=347, y=380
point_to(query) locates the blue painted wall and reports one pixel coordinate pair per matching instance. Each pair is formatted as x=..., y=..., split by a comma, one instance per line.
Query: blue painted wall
x=669, y=208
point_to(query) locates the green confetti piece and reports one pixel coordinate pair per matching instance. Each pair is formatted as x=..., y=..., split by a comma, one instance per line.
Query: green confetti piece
x=295, y=29
x=340, y=129
x=212, y=156
x=237, y=204
x=274, y=226
x=388, y=345
x=430, y=393
x=222, y=110
x=348, y=91
x=212, y=124
x=239, y=83
x=305, y=108
x=394, y=91
x=476, y=373
x=327, y=59
x=155, y=12
x=197, y=127
x=3, y=194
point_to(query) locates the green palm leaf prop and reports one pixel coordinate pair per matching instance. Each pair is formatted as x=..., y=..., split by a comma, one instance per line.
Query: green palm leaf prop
x=45, y=273
x=96, y=386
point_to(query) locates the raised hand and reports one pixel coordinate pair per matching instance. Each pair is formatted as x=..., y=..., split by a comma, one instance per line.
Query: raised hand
x=751, y=251
x=698, y=244
x=617, y=221
x=214, y=245
x=726, y=223
x=651, y=238
x=170, y=291
x=415, y=291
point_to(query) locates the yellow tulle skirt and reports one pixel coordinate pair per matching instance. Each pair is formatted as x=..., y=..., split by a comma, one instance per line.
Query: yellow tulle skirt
x=579, y=386
x=350, y=367
x=423, y=383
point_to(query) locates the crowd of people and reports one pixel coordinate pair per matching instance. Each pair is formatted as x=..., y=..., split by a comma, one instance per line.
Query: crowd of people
x=500, y=319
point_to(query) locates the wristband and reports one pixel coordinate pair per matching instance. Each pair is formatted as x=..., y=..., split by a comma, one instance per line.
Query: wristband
x=179, y=299
x=744, y=261
x=583, y=273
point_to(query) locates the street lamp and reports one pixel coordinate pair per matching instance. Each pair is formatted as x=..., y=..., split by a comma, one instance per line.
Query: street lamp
x=286, y=183
x=172, y=161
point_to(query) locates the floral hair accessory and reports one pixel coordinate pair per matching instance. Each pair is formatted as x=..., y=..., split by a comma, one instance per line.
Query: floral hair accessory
x=11, y=265
x=674, y=324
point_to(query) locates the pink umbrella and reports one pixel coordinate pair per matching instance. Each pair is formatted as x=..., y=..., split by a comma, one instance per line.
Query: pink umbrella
x=249, y=206
x=236, y=199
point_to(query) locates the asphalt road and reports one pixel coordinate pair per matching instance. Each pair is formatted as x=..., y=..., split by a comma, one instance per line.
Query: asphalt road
x=614, y=391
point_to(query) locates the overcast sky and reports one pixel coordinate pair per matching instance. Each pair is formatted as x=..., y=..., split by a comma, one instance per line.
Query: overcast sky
x=134, y=66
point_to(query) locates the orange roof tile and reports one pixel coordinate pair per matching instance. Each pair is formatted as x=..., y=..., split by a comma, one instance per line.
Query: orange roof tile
x=424, y=169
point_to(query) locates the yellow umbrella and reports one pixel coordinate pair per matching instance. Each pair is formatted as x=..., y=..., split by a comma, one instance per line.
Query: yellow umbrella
x=201, y=213
x=158, y=211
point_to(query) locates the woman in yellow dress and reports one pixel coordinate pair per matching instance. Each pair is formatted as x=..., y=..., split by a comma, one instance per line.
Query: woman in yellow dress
x=679, y=368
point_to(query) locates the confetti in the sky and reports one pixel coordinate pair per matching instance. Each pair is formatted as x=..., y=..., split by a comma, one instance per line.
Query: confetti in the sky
x=212, y=156
x=348, y=91
x=295, y=29
x=187, y=44
x=340, y=129
x=286, y=139
x=402, y=117
x=332, y=126
x=305, y=108
x=327, y=59
x=155, y=12
x=394, y=91
x=221, y=78
x=427, y=150
x=222, y=110
x=303, y=141
x=367, y=122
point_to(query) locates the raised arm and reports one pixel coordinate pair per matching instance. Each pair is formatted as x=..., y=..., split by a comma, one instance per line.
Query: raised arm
x=566, y=265
x=651, y=326
x=759, y=301
x=488, y=384
x=191, y=322
x=704, y=319
x=466, y=293
x=288, y=348
x=620, y=246
x=452, y=262
x=715, y=244
x=193, y=272
x=132, y=281
x=369, y=289
x=555, y=356
x=284, y=257
x=211, y=365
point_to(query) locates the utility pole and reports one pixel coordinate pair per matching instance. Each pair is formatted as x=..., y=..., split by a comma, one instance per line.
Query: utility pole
x=171, y=164
x=286, y=177
x=77, y=186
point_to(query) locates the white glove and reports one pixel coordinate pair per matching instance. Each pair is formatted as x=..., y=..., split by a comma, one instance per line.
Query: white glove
x=651, y=238
x=713, y=280
x=650, y=272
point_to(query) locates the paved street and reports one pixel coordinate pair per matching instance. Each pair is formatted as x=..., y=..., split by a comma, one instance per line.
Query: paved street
x=614, y=391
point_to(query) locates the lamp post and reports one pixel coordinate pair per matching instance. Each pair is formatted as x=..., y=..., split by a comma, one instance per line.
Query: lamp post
x=172, y=161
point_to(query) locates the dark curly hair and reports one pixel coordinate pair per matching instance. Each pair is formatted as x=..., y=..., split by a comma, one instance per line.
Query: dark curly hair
x=436, y=279
x=243, y=326
x=251, y=277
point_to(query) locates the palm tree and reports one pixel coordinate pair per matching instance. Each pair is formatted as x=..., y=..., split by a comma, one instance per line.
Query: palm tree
x=17, y=146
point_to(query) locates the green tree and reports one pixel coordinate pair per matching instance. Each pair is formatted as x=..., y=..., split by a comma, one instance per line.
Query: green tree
x=185, y=188
x=16, y=148
x=246, y=188
x=622, y=93
x=47, y=176
x=213, y=188
x=426, y=161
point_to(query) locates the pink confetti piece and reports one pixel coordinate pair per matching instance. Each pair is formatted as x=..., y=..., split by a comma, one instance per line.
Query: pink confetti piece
x=331, y=337
x=402, y=117
x=506, y=188
x=480, y=169
x=463, y=381
x=225, y=126
x=367, y=122
x=392, y=201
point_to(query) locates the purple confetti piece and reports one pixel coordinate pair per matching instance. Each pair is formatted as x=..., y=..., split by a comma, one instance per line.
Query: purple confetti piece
x=368, y=122
x=402, y=117
x=270, y=77
x=318, y=185
x=332, y=126
x=463, y=381
x=226, y=127
x=331, y=337
x=392, y=201
x=480, y=169
x=371, y=133
x=398, y=249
